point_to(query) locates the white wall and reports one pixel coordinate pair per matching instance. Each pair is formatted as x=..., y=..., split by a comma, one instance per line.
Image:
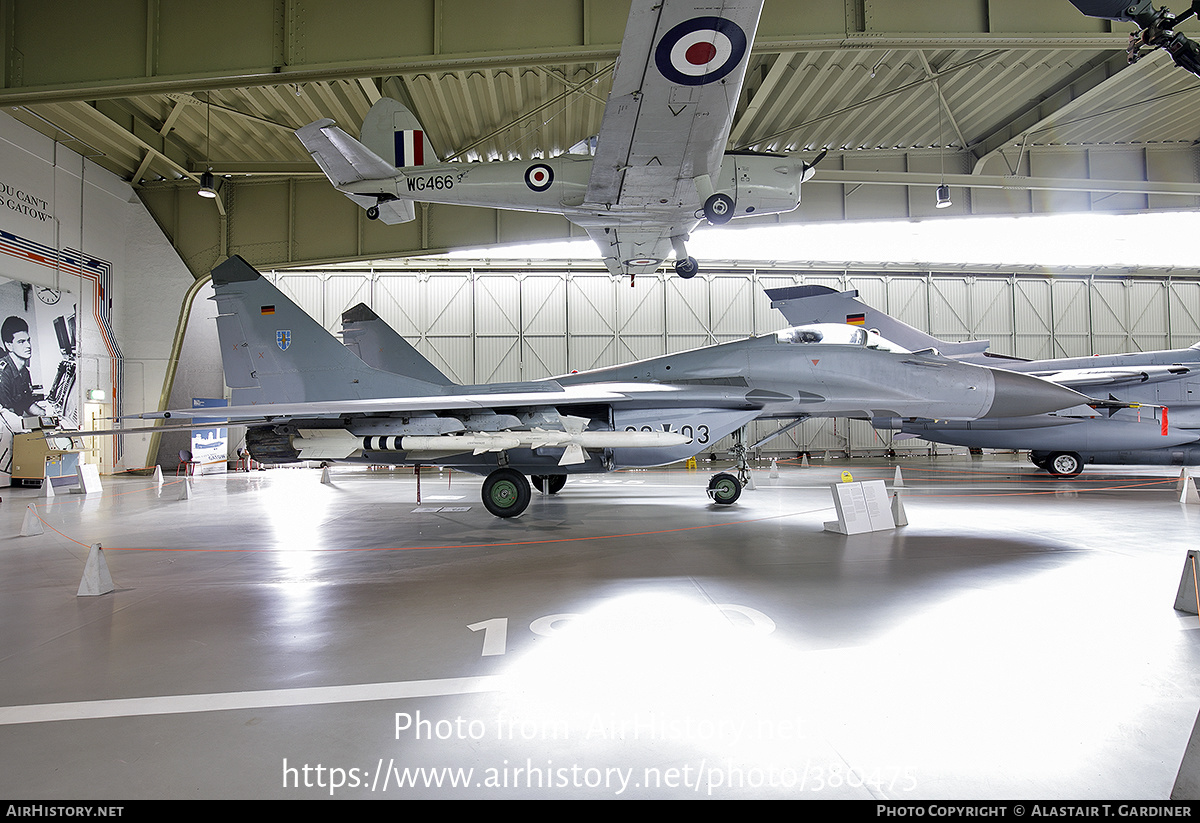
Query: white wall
x=61, y=202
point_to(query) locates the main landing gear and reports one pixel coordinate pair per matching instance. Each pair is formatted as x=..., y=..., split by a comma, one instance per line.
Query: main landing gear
x=685, y=265
x=1059, y=464
x=506, y=492
x=718, y=209
x=548, y=483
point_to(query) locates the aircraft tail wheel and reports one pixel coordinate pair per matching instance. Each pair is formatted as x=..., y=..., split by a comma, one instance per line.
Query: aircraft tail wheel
x=548, y=483
x=718, y=209
x=687, y=267
x=506, y=493
x=724, y=488
x=373, y=213
x=1064, y=464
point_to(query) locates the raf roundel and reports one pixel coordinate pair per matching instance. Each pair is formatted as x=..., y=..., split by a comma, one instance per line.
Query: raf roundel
x=701, y=50
x=539, y=177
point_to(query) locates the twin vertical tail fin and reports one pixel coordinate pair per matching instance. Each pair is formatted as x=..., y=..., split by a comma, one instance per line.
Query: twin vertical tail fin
x=273, y=352
x=379, y=346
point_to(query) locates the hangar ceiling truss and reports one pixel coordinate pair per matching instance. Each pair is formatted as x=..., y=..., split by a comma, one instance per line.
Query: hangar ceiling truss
x=1022, y=106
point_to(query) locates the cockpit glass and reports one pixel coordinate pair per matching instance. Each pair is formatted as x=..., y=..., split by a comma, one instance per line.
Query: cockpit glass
x=836, y=334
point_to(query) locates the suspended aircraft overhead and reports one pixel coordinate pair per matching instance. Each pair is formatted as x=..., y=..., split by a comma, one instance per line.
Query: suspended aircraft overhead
x=660, y=166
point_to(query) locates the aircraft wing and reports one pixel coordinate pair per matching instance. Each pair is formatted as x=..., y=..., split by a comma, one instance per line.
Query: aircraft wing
x=623, y=246
x=554, y=396
x=1078, y=378
x=675, y=87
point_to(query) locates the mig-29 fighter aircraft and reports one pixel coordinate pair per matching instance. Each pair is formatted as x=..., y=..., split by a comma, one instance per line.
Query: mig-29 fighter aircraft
x=306, y=396
x=660, y=165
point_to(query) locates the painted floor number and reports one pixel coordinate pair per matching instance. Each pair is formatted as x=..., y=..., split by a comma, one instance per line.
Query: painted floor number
x=495, y=631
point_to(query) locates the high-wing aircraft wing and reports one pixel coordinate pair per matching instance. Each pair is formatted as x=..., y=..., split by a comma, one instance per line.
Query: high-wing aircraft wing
x=674, y=90
x=668, y=117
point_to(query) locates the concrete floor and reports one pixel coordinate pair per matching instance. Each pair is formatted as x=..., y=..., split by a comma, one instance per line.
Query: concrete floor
x=275, y=637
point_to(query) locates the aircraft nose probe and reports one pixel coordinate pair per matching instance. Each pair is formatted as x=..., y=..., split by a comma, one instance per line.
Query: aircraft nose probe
x=1019, y=395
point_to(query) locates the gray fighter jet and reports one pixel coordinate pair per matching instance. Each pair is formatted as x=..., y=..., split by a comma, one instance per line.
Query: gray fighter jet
x=1160, y=391
x=305, y=396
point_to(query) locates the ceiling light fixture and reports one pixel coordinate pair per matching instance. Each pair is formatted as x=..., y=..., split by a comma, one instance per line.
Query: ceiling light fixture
x=207, y=188
x=943, y=200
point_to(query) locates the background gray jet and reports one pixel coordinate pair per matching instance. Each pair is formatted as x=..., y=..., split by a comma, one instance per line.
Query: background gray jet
x=1166, y=384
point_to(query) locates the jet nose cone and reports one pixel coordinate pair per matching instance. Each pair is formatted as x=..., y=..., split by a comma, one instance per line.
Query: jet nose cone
x=1018, y=395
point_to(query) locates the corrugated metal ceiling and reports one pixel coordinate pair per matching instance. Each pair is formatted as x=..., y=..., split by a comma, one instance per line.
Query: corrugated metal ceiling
x=971, y=100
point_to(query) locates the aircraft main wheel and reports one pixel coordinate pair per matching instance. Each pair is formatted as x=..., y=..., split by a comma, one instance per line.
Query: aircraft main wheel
x=373, y=213
x=724, y=488
x=548, y=483
x=718, y=209
x=687, y=267
x=506, y=493
x=1064, y=464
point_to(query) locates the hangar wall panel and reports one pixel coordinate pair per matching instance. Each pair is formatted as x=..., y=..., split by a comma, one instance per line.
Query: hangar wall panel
x=483, y=325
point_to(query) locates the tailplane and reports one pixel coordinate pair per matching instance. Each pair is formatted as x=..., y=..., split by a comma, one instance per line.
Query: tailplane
x=367, y=172
x=273, y=352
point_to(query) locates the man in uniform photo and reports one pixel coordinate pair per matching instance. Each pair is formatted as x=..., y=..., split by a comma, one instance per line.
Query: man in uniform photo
x=16, y=385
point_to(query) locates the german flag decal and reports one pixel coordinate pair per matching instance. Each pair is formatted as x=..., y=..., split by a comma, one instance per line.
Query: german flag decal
x=267, y=309
x=856, y=319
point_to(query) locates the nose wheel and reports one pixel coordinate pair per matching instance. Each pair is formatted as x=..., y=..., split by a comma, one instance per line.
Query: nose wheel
x=724, y=488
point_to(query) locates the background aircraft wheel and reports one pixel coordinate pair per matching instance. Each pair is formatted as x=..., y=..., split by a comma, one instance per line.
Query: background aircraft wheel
x=548, y=483
x=724, y=488
x=718, y=209
x=506, y=493
x=1064, y=464
x=687, y=268
x=373, y=213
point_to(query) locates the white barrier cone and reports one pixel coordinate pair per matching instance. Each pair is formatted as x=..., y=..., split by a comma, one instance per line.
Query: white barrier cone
x=899, y=481
x=774, y=473
x=47, y=486
x=96, y=579
x=1188, y=493
x=32, y=524
x=186, y=492
x=325, y=478
x=804, y=462
x=158, y=478
x=898, y=513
